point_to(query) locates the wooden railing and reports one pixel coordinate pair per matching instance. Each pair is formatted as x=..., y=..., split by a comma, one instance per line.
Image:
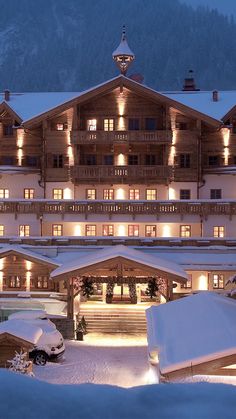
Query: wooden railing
x=40, y=207
x=104, y=137
x=122, y=174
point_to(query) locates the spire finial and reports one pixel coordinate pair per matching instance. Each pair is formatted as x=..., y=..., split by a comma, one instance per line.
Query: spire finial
x=123, y=56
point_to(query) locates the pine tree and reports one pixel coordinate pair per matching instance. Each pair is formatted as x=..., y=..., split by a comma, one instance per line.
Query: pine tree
x=87, y=288
x=152, y=288
x=20, y=364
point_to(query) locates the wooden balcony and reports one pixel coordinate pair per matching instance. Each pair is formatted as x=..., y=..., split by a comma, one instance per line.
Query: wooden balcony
x=111, y=137
x=201, y=209
x=121, y=174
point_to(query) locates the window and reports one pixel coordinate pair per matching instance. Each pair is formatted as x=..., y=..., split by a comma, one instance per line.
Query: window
x=181, y=125
x=90, y=159
x=218, y=281
x=2, y=230
x=134, y=194
x=8, y=130
x=57, y=161
x=108, y=194
x=92, y=125
x=213, y=160
x=90, y=193
x=31, y=161
x=4, y=193
x=108, y=124
x=185, y=161
x=216, y=194
x=185, y=194
x=108, y=230
x=185, y=231
x=188, y=283
x=90, y=230
x=151, y=194
x=133, y=230
x=29, y=193
x=133, y=159
x=108, y=160
x=42, y=282
x=57, y=193
x=218, y=231
x=150, y=124
x=57, y=230
x=133, y=124
x=150, y=231
x=150, y=159
x=15, y=281
x=24, y=230
x=61, y=126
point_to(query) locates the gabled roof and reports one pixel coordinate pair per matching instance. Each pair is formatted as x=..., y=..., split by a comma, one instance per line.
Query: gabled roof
x=31, y=256
x=32, y=108
x=22, y=330
x=126, y=254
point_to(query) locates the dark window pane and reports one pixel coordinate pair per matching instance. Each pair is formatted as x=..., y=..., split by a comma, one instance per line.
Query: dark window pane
x=7, y=130
x=133, y=160
x=108, y=160
x=185, y=161
x=150, y=159
x=185, y=194
x=216, y=194
x=133, y=124
x=150, y=124
x=213, y=160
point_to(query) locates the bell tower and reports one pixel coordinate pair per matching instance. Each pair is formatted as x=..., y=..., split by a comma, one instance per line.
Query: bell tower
x=123, y=56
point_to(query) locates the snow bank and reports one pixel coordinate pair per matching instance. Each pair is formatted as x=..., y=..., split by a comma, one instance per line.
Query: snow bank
x=28, y=315
x=192, y=330
x=21, y=329
x=22, y=397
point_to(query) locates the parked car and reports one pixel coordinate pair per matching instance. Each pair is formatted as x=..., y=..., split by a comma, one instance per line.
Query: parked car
x=50, y=345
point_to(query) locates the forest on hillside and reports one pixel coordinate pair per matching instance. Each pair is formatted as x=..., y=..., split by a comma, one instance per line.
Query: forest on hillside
x=67, y=45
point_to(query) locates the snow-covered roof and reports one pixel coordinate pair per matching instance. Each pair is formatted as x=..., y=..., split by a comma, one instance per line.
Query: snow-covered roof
x=22, y=330
x=192, y=330
x=26, y=253
x=124, y=252
x=202, y=101
x=123, y=48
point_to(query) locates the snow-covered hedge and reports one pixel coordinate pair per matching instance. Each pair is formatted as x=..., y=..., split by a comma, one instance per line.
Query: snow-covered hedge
x=27, y=398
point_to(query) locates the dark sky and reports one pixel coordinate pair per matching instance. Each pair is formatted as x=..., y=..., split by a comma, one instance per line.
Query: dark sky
x=224, y=6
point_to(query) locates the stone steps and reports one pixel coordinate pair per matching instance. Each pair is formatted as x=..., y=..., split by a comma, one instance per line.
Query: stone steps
x=114, y=320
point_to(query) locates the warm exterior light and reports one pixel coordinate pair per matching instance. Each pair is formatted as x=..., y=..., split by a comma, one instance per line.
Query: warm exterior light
x=1, y=281
x=121, y=230
x=172, y=194
x=28, y=265
x=77, y=231
x=166, y=231
x=203, y=283
x=120, y=193
x=121, y=160
x=28, y=276
x=67, y=193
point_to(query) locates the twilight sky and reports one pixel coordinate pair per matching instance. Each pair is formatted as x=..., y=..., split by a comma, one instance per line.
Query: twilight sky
x=224, y=6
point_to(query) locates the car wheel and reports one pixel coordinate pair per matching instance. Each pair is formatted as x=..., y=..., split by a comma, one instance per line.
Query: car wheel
x=40, y=358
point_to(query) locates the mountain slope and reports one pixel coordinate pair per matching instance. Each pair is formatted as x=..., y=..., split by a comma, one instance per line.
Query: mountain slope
x=58, y=45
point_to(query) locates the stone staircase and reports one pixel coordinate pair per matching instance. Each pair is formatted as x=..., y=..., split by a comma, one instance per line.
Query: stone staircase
x=112, y=318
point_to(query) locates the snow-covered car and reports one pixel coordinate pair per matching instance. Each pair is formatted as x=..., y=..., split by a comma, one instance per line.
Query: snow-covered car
x=50, y=345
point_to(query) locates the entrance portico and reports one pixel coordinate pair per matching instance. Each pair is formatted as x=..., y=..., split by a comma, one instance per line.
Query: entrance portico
x=118, y=266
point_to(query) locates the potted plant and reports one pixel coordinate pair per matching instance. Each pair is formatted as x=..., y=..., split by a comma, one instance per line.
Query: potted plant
x=80, y=331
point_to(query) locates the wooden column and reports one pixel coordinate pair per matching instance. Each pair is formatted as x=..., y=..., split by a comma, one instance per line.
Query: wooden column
x=70, y=299
x=169, y=290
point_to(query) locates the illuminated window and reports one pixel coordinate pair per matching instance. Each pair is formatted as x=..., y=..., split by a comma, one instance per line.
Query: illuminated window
x=57, y=230
x=218, y=281
x=188, y=283
x=57, y=193
x=24, y=230
x=42, y=282
x=2, y=230
x=108, y=194
x=185, y=194
x=4, y=193
x=151, y=194
x=218, y=231
x=90, y=193
x=109, y=124
x=15, y=281
x=216, y=194
x=92, y=125
x=29, y=193
x=185, y=231
x=60, y=126
x=134, y=194
x=108, y=230
x=90, y=230
x=150, y=231
x=133, y=230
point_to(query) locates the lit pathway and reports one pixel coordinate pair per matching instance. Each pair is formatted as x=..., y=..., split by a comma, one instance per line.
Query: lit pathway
x=102, y=359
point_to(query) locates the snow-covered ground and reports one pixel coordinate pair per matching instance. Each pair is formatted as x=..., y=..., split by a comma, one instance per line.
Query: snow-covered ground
x=102, y=359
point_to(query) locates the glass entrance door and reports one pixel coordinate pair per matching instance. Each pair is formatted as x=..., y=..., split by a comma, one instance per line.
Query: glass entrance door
x=121, y=293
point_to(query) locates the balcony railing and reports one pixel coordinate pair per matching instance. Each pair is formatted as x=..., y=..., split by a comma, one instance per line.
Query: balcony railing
x=157, y=208
x=122, y=174
x=104, y=137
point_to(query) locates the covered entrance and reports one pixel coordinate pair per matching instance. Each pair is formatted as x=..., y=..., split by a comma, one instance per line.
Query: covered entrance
x=118, y=271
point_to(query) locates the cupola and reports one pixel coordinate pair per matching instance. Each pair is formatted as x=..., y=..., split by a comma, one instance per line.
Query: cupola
x=123, y=56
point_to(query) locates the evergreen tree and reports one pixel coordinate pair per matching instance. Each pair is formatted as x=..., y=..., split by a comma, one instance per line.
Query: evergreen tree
x=87, y=288
x=20, y=364
x=152, y=288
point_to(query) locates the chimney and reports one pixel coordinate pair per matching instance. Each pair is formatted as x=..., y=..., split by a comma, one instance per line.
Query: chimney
x=7, y=95
x=189, y=83
x=215, y=96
